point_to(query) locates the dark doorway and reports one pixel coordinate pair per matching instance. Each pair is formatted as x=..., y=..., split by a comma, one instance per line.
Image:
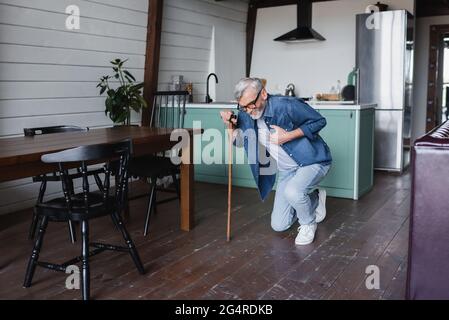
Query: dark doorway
x=438, y=83
x=444, y=83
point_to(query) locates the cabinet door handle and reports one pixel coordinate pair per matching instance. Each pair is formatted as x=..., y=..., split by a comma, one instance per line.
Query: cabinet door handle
x=351, y=114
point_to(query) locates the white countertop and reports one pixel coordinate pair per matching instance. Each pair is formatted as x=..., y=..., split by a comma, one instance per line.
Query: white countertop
x=319, y=105
x=213, y=105
x=335, y=105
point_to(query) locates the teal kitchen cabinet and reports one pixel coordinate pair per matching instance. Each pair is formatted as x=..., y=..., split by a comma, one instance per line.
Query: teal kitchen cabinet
x=350, y=137
x=339, y=134
x=216, y=172
x=241, y=173
x=349, y=134
x=207, y=119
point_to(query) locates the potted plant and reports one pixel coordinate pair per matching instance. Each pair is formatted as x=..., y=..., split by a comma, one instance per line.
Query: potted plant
x=124, y=98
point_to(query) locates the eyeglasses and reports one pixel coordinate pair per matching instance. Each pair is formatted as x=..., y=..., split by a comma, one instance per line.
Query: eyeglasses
x=253, y=103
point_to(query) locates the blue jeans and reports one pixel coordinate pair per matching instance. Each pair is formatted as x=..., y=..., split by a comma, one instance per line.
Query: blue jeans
x=297, y=196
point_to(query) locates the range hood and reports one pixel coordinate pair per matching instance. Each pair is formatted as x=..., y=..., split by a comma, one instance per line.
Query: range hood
x=304, y=32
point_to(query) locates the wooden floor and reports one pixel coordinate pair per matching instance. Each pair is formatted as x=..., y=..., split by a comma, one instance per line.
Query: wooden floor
x=257, y=264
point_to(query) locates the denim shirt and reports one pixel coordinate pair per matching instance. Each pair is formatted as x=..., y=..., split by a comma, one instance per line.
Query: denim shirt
x=289, y=113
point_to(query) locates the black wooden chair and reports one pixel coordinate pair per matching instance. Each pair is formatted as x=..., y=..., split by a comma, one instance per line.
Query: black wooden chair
x=53, y=177
x=168, y=112
x=86, y=206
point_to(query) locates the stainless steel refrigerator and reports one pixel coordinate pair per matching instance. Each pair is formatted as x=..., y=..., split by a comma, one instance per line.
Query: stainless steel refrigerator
x=384, y=58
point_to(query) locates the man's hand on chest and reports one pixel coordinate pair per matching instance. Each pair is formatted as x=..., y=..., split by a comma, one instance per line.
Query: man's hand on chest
x=280, y=136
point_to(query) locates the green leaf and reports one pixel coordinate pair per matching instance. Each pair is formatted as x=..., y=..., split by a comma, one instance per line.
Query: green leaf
x=103, y=89
x=143, y=102
x=138, y=86
x=121, y=63
x=116, y=61
x=135, y=106
x=108, y=105
x=119, y=91
x=121, y=117
x=129, y=74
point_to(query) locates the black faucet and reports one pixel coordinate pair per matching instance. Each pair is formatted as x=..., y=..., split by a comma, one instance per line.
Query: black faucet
x=208, y=98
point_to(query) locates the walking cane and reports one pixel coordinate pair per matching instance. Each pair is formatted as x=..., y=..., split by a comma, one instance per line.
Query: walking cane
x=230, y=178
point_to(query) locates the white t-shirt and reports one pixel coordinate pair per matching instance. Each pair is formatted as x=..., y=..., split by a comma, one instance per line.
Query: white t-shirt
x=283, y=160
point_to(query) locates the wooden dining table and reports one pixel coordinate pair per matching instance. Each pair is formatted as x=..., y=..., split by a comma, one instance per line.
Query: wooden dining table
x=20, y=157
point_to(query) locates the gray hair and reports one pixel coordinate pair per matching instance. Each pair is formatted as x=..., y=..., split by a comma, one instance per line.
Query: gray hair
x=245, y=84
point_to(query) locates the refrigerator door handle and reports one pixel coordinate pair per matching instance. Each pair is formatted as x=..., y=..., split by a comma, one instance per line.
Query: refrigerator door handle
x=357, y=97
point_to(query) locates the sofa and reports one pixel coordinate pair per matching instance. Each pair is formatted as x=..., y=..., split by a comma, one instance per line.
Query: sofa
x=428, y=260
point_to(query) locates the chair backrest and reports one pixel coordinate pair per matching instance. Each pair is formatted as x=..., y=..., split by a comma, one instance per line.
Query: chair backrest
x=169, y=108
x=119, y=152
x=31, y=132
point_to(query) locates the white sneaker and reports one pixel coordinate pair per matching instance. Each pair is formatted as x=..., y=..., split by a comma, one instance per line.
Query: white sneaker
x=306, y=234
x=320, y=211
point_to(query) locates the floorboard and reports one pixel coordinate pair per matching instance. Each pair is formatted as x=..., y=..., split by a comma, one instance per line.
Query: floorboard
x=257, y=264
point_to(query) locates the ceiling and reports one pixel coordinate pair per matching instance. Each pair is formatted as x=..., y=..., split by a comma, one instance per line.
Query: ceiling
x=424, y=8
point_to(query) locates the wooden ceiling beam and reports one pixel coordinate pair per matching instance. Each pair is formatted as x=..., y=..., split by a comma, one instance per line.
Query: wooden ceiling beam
x=424, y=8
x=250, y=32
x=428, y=8
x=152, y=55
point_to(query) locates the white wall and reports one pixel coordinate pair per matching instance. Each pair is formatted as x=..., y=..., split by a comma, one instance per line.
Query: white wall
x=48, y=74
x=313, y=67
x=422, y=72
x=186, y=44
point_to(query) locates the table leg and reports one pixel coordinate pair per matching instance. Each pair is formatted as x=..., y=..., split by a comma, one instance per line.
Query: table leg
x=187, y=188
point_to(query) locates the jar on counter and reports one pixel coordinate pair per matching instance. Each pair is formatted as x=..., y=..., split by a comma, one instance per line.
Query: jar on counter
x=189, y=89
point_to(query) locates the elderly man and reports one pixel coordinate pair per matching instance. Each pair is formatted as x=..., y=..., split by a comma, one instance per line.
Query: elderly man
x=286, y=128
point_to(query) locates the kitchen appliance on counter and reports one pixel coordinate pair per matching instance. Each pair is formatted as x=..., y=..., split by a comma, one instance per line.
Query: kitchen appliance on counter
x=177, y=83
x=349, y=91
x=384, y=58
x=378, y=7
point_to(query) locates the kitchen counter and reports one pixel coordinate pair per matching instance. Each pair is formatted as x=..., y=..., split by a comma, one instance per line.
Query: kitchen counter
x=213, y=105
x=333, y=105
x=319, y=105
